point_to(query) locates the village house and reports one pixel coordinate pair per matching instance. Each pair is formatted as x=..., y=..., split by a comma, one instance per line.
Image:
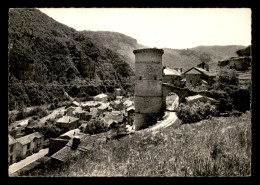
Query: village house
x=102, y=108
x=239, y=63
x=130, y=115
x=101, y=97
x=128, y=103
x=55, y=144
x=76, y=146
x=192, y=99
x=11, y=149
x=118, y=92
x=114, y=116
x=194, y=75
x=119, y=98
x=75, y=103
x=68, y=123
x=117, y=104
x=29, y=144
x=31, y=127
x=90, y=104
x=171, y=76
x=76, y=112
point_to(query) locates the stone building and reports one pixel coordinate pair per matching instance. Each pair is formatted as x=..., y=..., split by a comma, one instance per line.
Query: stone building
x=11, y=149
x=130, y=115
x=29, y=144
x=171, y=76
x=195, y=75
x=148, y=86
x=68, y=123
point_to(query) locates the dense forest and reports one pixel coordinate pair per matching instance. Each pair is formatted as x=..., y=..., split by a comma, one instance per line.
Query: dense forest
x=47, y=58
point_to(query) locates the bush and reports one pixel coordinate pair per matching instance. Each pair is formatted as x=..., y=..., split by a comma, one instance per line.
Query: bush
x=228, y=93
x=38, y=111
x=50, y=130
x=11, y=118
x=96, y=126
x=198, y=111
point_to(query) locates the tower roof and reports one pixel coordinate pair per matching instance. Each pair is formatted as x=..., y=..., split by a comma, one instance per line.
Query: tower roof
x=148, y=50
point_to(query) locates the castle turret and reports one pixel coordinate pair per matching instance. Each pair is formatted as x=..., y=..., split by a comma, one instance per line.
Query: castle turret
x=148, y=86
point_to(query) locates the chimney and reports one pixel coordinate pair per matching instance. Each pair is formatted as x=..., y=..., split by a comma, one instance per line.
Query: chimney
x=75, y=143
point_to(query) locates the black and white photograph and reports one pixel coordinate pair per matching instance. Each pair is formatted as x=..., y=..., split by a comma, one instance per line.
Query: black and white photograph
x=129, y=92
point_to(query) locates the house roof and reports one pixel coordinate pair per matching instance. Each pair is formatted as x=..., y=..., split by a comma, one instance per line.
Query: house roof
x=103, y=106
x=76, y=103
x=32, y=124
x=67, y=119
x=107, y=120
x=90, y=104
x=117, y=102
x=115, y=116
x=189, y=98
x=87, y=142
x=130, y=108
x=100, y=96
x=128, y=103
x=11, y=140
x=198, y=70
x=71, y=133
x=27, y=139
x=205, y=71
x=78, y=110
x=169, y=71
x=193, y=71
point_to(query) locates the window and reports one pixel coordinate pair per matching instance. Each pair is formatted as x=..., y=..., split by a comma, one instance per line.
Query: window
x=11, y=159
x=155, y=78
x=28, y=146
x=11, y=148
x=140, y=78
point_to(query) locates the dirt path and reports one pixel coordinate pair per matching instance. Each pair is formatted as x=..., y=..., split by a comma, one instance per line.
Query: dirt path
x=169, y=119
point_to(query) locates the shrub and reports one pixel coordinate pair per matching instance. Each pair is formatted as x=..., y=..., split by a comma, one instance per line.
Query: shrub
x=11, y=118
x=198, y=111
x=96, y=126
x=38, y=111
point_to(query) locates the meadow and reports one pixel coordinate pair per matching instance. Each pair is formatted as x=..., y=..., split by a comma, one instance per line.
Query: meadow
x=218, y=147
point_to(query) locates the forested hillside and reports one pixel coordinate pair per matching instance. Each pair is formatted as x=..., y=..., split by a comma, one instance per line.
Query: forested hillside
x=118, y=42
x=43, y=52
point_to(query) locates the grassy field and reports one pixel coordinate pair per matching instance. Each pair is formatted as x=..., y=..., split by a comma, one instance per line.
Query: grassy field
x=217, y=147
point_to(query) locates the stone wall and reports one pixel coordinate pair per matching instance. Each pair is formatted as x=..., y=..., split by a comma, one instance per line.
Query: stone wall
x=192, y=79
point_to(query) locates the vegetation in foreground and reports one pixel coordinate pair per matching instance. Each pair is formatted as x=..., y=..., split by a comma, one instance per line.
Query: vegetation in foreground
x=217, y=147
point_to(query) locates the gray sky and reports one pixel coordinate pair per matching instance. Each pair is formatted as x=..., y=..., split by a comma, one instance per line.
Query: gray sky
x=163, y=27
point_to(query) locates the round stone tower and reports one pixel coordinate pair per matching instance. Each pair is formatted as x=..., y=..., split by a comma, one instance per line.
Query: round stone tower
x=148, y=86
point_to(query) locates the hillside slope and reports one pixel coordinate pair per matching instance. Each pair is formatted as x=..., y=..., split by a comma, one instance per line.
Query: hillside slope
x=43, y=51
x=220, y=147
x=180, y=58
x=117, y=42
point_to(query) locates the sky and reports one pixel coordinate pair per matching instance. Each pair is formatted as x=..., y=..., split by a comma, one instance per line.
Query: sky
x=176, y=28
